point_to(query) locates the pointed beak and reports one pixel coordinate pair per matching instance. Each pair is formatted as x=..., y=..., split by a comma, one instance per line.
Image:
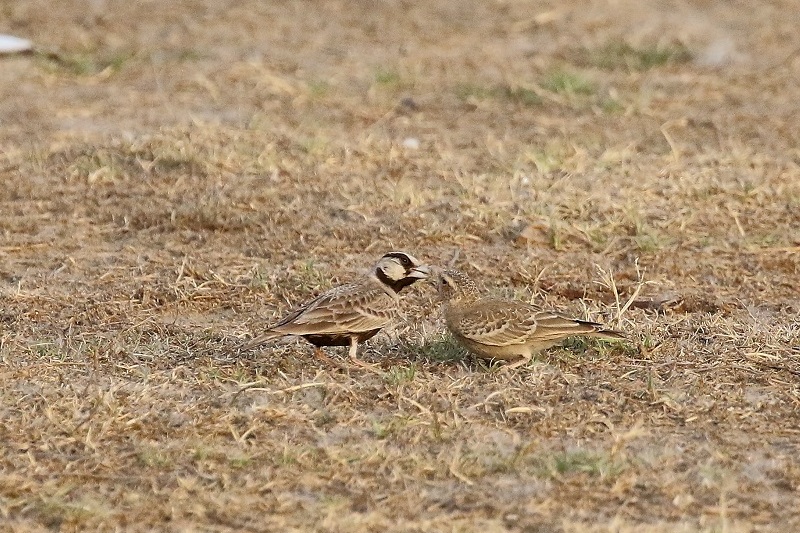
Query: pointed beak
x=420, y=272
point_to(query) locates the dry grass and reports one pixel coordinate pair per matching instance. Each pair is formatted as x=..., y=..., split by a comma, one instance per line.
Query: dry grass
x=175, y=176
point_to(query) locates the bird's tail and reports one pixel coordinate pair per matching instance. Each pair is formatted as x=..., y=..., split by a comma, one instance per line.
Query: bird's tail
x=607, y=334
x=260, y=339
x=557, y=326
x=610, y=334
x=552, y=328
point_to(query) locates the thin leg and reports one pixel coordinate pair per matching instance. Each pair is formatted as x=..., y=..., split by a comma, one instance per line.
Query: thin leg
x=353, y=348
x=320, y=354
x=524, y=360
x=354, y=357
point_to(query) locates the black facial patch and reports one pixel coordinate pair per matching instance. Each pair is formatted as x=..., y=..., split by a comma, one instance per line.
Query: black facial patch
x=403, y=258
x=396, y=285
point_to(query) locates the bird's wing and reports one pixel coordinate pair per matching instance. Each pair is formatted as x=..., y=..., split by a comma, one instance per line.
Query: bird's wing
x=352, y=308
x=508, y=323
x=494, y=323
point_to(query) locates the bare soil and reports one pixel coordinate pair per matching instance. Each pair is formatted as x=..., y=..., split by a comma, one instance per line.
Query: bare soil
x=174, y=176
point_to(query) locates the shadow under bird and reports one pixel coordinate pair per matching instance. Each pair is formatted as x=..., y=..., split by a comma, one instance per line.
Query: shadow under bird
x=505, y=330
x=350, y=314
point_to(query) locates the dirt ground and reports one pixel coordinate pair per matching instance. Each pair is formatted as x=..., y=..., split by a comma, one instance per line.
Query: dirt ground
x=174, y=176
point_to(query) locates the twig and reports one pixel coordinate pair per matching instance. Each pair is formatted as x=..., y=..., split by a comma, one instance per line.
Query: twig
x=454, y=466
x=256, y=385
x=607, y=280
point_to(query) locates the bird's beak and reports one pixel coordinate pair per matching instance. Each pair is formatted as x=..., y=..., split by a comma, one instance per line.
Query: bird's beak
x=420, y=272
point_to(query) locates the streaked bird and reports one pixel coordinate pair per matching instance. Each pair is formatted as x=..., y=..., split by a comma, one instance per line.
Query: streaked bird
x=350, y=314
x=506, y=330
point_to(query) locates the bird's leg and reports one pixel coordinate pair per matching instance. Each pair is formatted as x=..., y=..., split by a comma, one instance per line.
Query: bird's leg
x=354, y=357
x=523, y=360
x=320, y=354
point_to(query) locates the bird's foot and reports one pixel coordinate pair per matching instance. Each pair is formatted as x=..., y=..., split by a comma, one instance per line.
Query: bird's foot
x=371, y=367
x=320, y=354
x=516, y=364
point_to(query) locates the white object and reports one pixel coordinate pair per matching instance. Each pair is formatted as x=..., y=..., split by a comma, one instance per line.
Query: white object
x=14, y=45
x=412, y=143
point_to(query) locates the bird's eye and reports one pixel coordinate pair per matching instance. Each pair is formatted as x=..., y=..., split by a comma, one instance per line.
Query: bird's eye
x=405, y=261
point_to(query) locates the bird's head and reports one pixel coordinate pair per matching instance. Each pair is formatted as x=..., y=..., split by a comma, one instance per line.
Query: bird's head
x=454, y=286
x=400, y=269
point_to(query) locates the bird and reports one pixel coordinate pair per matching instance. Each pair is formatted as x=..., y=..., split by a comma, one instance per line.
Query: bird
x=350, y=314
x=505, y=330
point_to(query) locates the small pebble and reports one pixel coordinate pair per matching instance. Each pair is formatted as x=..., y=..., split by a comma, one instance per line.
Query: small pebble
x=412, y=143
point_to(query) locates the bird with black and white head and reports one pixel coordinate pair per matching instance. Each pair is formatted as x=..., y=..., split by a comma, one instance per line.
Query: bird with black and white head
x=350, y=314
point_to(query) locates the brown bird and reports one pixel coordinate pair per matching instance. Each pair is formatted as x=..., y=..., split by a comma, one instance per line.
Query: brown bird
x=350, y=314
x=505, y=330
